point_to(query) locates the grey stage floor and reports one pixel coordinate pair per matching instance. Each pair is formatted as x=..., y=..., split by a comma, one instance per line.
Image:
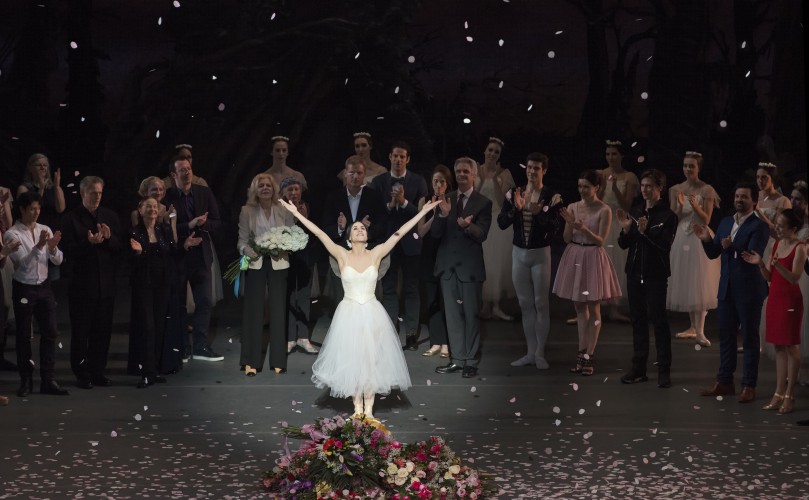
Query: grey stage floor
x=210, y=431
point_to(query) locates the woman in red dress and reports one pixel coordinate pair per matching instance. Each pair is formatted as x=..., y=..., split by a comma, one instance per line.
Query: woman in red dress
x=784, y=306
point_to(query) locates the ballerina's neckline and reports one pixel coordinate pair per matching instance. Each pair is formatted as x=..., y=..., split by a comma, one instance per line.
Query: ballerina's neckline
x=359, y=272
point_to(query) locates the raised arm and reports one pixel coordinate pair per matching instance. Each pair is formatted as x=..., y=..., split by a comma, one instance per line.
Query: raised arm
x=333, y=248
x=386, y=247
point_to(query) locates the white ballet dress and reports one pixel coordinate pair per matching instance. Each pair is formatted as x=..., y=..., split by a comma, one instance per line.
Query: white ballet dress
x=361, y=352
x=496, y=251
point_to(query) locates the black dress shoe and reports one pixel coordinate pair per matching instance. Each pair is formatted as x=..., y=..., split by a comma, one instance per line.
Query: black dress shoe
x=663, y=378
x=144, y=383
x=160, y=379
x=101, y=381
x=634, y=377
x=26, y=387
x=469, y=371
x=53, y=388
x=84, y=383
x=450, y=368
x=411, y=343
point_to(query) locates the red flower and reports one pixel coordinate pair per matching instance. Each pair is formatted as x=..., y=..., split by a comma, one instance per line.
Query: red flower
x=421, y=456
x=415, y=486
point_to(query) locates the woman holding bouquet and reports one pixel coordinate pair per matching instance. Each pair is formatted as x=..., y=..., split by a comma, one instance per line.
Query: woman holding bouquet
x=361, y=355
x=262, y=213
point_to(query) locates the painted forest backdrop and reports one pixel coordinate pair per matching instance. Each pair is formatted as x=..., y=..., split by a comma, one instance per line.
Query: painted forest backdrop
x=108, y=87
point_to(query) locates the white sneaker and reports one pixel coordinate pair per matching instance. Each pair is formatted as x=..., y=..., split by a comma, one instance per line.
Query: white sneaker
x=524, y=361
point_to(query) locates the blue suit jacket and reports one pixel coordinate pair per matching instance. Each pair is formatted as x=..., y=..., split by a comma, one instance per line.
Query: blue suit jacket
x=415, y=188
x=744, y=279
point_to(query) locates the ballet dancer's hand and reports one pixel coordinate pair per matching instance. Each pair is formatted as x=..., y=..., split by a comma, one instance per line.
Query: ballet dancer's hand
x=643, y=222
x=623, y=219
x=9, y=248
x=444, y=205
x=701, y=230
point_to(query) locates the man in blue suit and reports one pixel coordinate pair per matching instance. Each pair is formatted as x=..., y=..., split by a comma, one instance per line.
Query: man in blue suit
x=742, y=290
x=403, y=191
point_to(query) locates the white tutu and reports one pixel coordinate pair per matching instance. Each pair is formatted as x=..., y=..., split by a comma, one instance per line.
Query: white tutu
x=361, y=352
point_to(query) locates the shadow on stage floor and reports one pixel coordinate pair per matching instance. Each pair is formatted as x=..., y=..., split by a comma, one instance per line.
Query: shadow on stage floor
x=211, y=431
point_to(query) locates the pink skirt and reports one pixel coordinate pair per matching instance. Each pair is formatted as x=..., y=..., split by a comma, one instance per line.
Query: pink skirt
x=586, y=274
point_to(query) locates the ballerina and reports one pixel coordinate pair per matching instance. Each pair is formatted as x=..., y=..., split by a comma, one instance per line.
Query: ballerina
x=361, y=355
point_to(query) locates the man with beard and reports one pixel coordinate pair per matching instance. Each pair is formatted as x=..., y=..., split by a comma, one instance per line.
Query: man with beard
x=742, y=290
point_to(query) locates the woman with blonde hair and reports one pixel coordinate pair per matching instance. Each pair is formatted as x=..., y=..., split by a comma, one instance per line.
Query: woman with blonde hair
x=38, y=179
x=261, y=213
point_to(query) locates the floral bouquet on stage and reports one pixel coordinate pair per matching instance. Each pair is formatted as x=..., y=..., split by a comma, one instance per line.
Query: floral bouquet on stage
x=357, y=458
x=274, y=244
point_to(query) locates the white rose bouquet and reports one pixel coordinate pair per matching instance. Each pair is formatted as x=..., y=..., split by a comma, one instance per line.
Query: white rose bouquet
x=279, y=239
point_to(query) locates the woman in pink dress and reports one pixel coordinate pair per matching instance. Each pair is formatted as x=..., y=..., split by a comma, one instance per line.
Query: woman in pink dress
x=785, y=306
x=586, y=274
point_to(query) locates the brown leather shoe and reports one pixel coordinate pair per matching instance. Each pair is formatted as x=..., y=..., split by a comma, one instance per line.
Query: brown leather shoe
x=747, y=395
x=720, y=390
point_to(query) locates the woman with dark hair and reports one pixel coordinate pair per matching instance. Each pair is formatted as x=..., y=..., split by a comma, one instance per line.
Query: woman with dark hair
x=694, y=277
x=784, y=306
x=363, y=144
x=494, y=181
x=770, y=200
x=279, y=170
x=586, y=274
x=39, y=180
x=533, y=214
x=441, y=184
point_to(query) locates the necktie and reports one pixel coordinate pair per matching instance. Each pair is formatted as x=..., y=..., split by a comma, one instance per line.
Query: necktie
x=461, y=202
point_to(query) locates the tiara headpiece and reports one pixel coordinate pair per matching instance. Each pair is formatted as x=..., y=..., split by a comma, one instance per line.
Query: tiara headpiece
x=765, y=164
x=498, y=141
x=362, y=134
x=613, y=143
x=695, y=154
x=181, y=146
x=279, y=138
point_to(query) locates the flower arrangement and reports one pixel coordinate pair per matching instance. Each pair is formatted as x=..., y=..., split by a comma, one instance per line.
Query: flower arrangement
x=270, y=244
x=357, y=458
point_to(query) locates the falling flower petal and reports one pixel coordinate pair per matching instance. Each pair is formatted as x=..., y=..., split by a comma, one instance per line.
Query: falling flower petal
x=501, y=42
x=411, y=59
x=469, y=39
x=138, y=417
x=551, y=54
x=644, y=95
x=74, y=45
x=473, y=389
x=556, y=409
x=113, y=434
x=723, y=124
x=159, y=21
x=221, y=106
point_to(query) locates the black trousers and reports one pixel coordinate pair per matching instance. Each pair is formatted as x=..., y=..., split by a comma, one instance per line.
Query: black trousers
x=272, y=284
x=434, y=312
x=91, y=330
x=647, y=300
x=150, y=305
x=35, y=301
x=194, y=271
x=3, y=319
x=409, y=265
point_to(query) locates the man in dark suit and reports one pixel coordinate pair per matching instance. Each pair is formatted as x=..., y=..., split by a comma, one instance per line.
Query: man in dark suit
x=742, y=290
x=197, y=214
x=404, y=190
x=461, y=226
x=92, y=241
x=352, y=203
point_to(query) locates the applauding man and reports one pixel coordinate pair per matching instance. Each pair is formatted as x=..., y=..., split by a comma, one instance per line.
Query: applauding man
x=32, y=294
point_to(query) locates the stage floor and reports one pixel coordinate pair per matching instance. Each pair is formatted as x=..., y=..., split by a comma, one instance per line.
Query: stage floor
x=211, y=431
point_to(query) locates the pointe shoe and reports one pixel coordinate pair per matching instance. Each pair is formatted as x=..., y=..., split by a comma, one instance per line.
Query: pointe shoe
x=775, y=402
x=541, y=364
x=249, y=371
x=788, y=405
x=432, y=351
x=524, y=361
x=687, y=334
x=701, y=340
x=571, y=321
x=499, y=314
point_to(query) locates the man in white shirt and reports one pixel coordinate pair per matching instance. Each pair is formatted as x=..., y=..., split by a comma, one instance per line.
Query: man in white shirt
x=32, y=294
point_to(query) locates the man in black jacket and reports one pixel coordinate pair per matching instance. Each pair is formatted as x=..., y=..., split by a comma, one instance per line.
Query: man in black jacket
x=92, y=240
x=648, y=233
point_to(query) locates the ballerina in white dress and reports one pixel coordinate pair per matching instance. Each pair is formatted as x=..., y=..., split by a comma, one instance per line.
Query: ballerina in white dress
x=361, y=355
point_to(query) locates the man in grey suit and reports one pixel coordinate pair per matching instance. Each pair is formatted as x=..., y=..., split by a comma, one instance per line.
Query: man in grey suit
x=462, y=225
